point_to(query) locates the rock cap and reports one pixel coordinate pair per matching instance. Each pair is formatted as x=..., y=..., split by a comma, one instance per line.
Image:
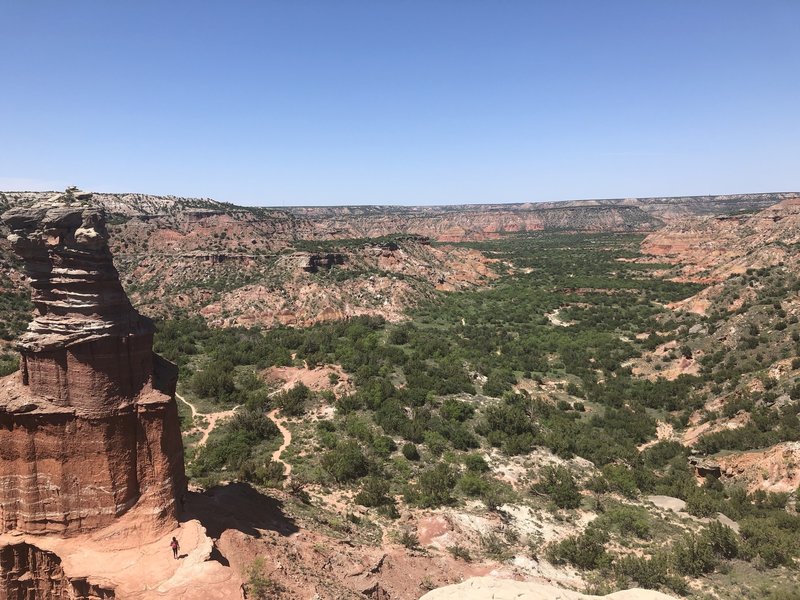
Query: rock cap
x=76, y=289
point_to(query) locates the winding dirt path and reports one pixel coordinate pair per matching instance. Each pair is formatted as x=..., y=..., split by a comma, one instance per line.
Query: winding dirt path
x=211, y=418
x=287, y=439
x=317, y=379
x=187, y=403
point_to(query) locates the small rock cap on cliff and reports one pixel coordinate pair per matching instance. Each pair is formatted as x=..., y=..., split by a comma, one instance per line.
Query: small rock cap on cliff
x=76, y=289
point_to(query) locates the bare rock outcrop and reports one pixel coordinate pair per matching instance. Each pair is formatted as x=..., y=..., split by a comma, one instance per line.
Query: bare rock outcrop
x=711, y=249
x=88, y=426
x=479, y=588
x=27, y=571
x=116, y=563
x=773, y=469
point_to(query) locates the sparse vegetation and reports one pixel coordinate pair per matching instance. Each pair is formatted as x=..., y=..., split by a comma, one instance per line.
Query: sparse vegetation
x=485, y=373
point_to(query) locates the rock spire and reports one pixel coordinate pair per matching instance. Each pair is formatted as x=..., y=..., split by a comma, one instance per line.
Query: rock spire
x=89, y=426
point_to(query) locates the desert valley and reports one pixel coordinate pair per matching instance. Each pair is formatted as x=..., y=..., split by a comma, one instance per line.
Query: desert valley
x=556, y=400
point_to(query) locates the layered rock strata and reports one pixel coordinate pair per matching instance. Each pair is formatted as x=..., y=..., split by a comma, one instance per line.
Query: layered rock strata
x=89, y=425
x=29, y=572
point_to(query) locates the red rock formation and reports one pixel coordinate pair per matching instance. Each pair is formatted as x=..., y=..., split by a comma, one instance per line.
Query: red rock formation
x=30, y=572
x=712, y=249
x=89, y=426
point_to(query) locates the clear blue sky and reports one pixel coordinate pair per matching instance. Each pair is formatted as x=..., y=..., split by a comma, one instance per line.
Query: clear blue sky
x=401, y=101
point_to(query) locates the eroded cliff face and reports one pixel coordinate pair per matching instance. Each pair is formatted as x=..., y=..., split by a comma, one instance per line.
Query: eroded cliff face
x=30, y=573
x=88, y=426
x=712, y=249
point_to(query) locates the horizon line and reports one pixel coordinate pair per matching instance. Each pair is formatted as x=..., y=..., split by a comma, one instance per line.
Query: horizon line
x=398, y=205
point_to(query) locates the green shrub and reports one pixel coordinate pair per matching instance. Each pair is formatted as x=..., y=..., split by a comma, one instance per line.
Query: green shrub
x=328, y=439
x=475, y=463
x=435, y=442
x=346, y=462
x=519, y=444
x=293, y=402
x=499, y=380
x=349, y=404
x=703, y=503
x=459, y=552
x=626, y=520
x=269, y=473
x=410, y=451
x=494, y=547
x=249, y=381
x=558, y=484
x=649, y=573
x=435, y=486
x=723, y=541
x=472, y=484
x=9, y=363
x=359, y=428
x=509, y=418
x=661, y=453
x=255, y=424
x=215, y=382
x=383, y=446
x=621, y=479
x=408, y=538
x=456, y=410
x=232, y=444
x=494, y=495
x=574, y=390
x=374, y=492
x=585, y=551
x=693, y=555
x=775, y=537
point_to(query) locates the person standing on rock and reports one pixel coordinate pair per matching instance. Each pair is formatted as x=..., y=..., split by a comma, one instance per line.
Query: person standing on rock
x=175, y=548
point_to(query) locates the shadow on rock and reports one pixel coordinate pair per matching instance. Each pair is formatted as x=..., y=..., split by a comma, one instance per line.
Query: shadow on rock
x=237, y=506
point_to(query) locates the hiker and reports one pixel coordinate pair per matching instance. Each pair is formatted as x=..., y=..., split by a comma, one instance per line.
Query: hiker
x=175, y=547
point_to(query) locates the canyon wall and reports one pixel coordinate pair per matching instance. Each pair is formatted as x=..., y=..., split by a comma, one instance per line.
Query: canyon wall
x=711, y=249
x=274, y=228
x=88, y=426
x=30, y=573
